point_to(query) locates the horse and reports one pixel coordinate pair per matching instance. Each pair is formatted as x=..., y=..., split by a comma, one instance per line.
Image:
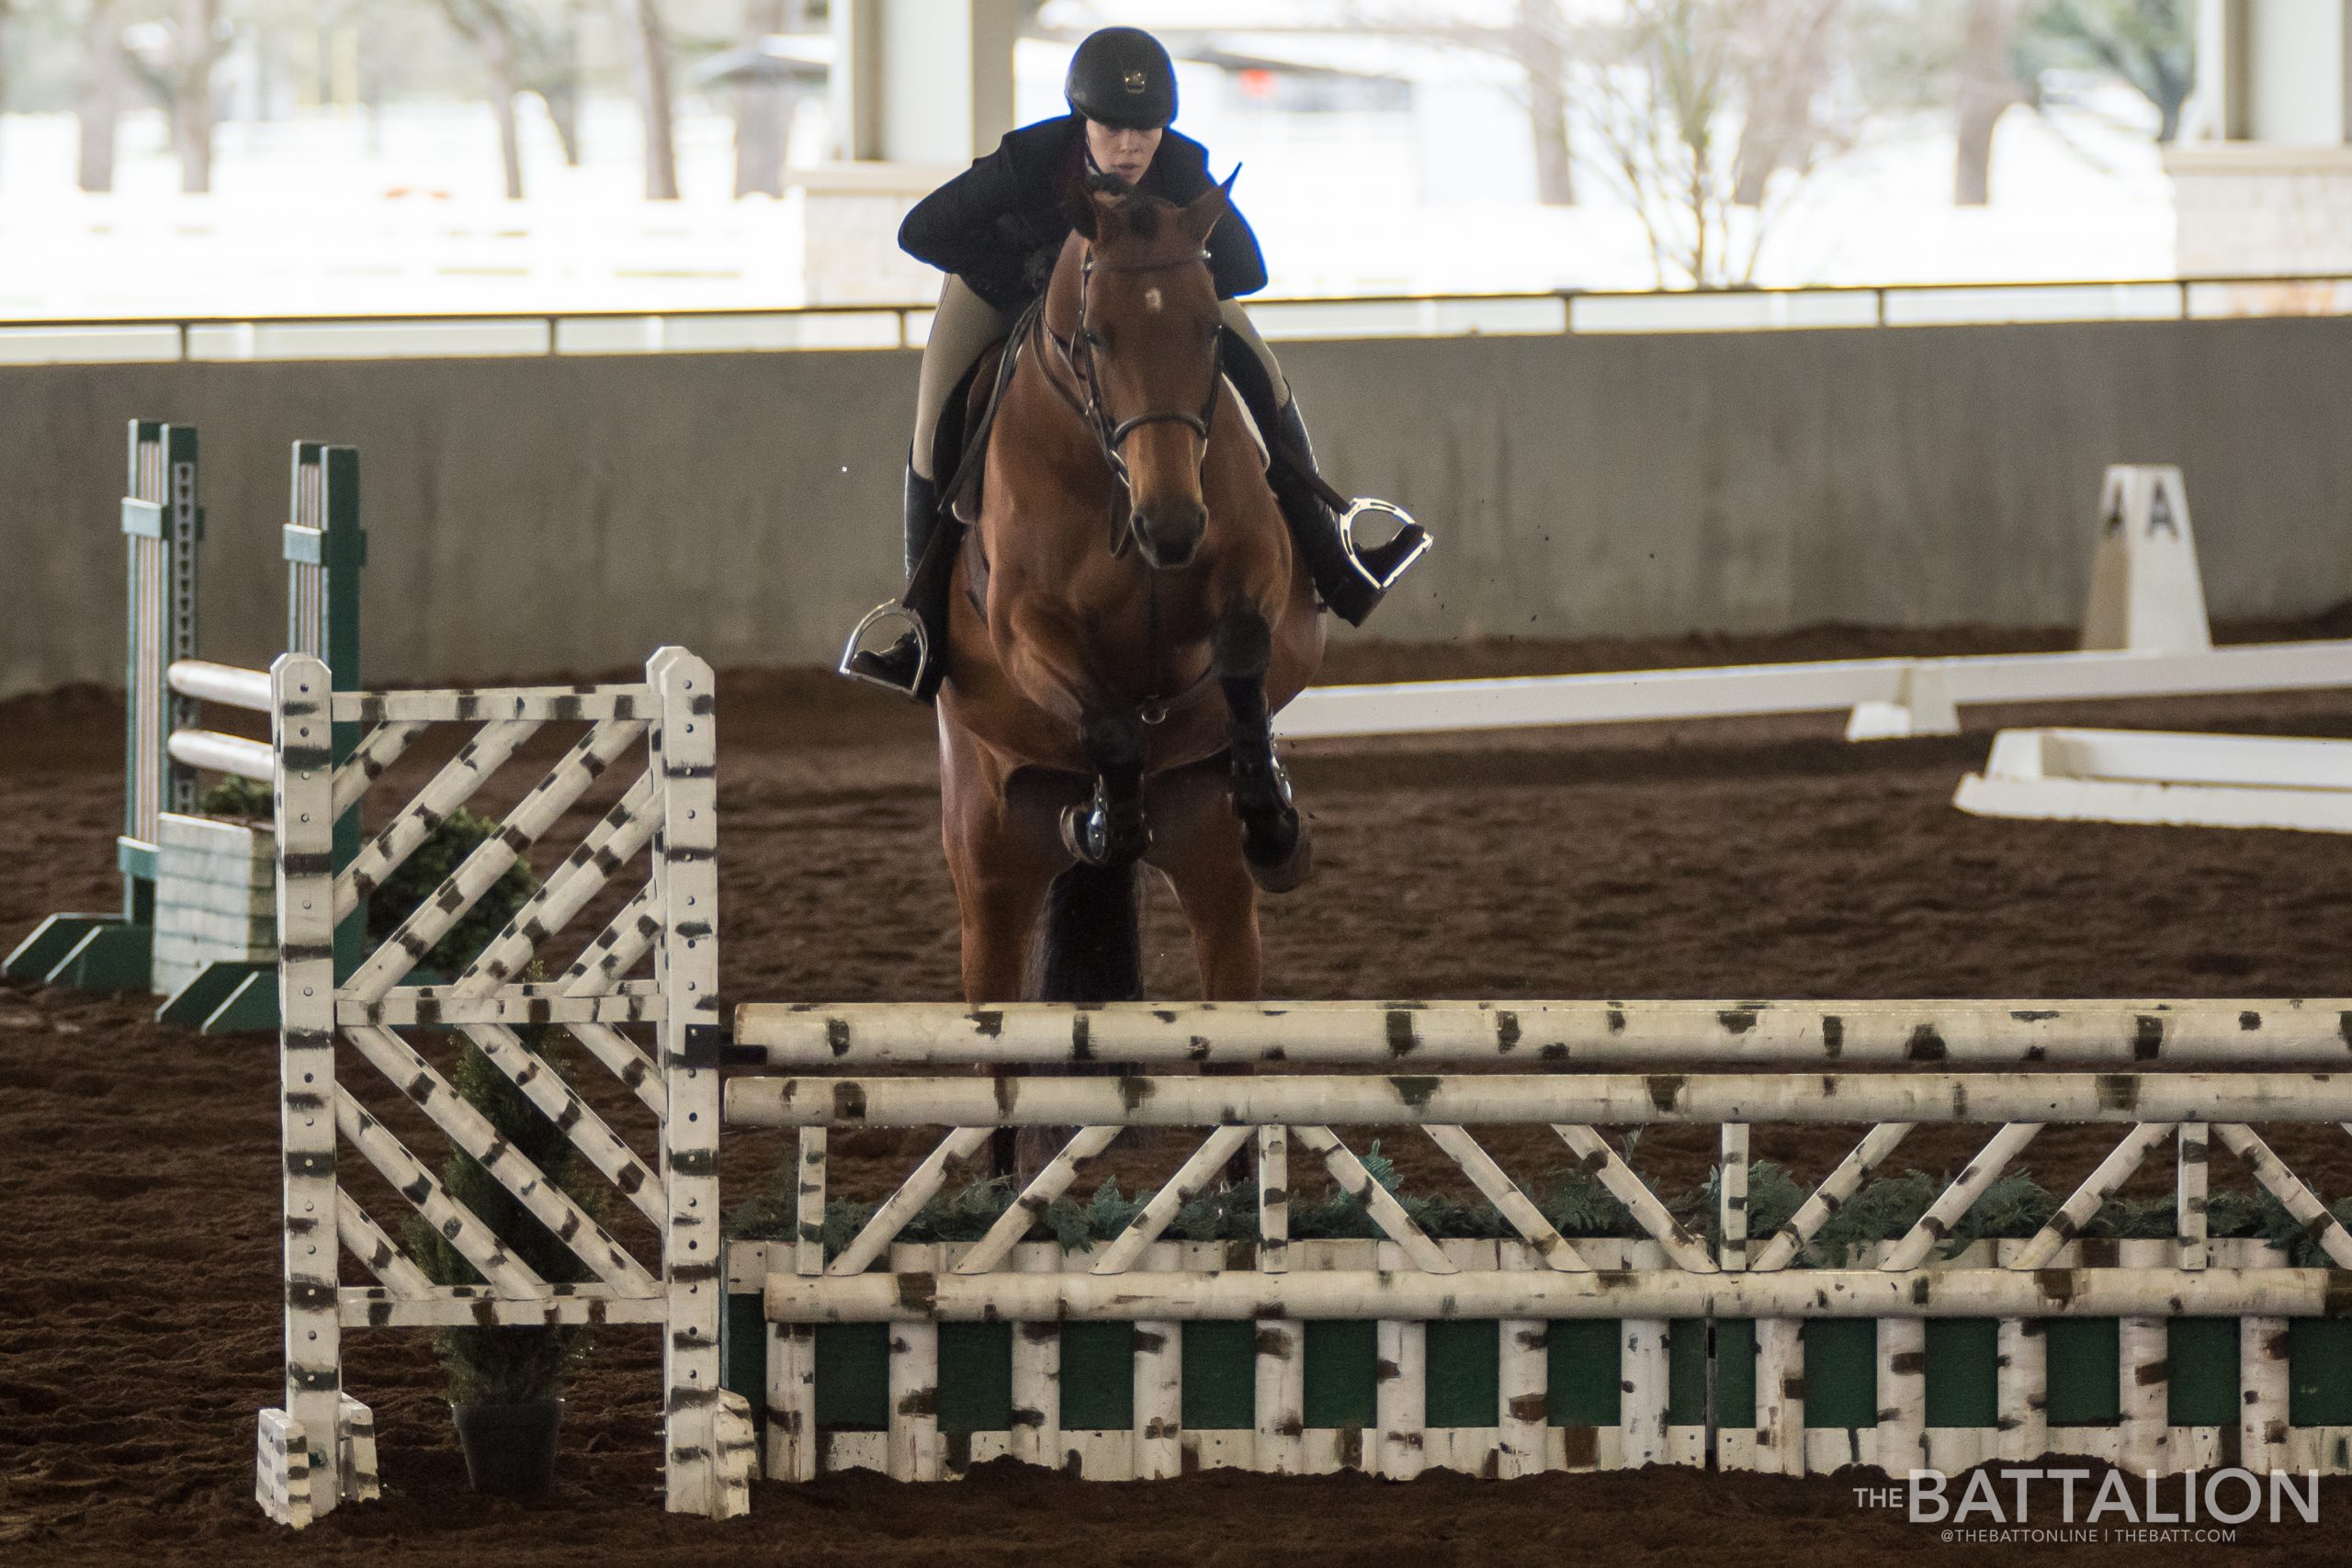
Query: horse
x=1127, y=615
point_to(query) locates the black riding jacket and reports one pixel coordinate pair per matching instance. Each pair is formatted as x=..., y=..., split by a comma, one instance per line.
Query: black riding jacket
x=1000, y=224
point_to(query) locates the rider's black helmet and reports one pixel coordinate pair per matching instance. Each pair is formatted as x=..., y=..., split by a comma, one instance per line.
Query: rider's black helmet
x=1123, y=77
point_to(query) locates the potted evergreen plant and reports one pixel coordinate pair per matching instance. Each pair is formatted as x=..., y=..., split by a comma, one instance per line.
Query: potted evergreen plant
x=505, y=1384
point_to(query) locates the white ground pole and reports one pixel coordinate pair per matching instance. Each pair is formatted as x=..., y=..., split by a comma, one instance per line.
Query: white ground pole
x=1929, y=690
x=2164, y=778
x=2144, y=635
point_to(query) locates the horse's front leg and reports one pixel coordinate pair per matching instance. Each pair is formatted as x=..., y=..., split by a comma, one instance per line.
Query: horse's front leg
x=1275, y=843
x=1109, y=830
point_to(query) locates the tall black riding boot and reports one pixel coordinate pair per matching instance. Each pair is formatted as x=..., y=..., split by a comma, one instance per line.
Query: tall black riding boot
x=916, y=663
x=1352, y=581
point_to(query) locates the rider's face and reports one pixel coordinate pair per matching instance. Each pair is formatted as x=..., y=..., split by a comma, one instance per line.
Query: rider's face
x=1126, y=153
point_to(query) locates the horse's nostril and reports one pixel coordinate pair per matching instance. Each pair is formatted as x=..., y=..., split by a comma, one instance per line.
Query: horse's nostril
x=1171, y=535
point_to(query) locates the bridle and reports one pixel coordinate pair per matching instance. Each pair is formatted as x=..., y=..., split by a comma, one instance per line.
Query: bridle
x=1077, y=353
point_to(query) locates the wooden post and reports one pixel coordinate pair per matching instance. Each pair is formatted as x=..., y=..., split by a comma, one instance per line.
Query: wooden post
x=1780, y=1396
x=793, y=1443
x=913, y=1446
x=792, y=1346
x=1731, y=1191
x=1280, y=1446
x=1035, y=1436
x=1401, y=1385
x=1642, y=1366
x=2022, y=1377
x=686, y=971
x=1160, y=1388
x=301, y=739
x=2144, y=1442
x=1523, y=1377
x=2262, y=1393
x=2189, y=1194
x=1902, y=1394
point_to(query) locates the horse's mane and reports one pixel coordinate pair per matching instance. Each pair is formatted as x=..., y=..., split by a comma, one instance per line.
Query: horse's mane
x=1138, y=210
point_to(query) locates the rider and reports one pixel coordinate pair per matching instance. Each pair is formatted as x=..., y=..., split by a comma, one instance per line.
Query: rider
x=996, y=231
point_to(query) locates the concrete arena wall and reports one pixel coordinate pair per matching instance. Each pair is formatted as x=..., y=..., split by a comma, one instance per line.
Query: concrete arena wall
x=536, y=515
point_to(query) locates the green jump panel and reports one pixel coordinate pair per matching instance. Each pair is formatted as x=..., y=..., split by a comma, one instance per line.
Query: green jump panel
x=1584, y=1368
x=38, y=954
x=1462, y=1372
x=1342, y=1374
x=2319, y=1371
x=2202, y=1388
x=1963, y=1374
x=1220, y=1376
x=1098, y=1382
x=1686, y=1372
x=853, y=1377
x=2086, y=1375
x=108, y=958
x=1840, y=1371
x=975, y=1378
x=744, y=1351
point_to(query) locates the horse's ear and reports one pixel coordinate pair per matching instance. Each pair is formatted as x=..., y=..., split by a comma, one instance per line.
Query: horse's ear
x=1078, y=206
x=1203, y=213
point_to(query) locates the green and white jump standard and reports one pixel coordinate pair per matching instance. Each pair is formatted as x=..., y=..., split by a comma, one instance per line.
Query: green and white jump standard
x=196, y=925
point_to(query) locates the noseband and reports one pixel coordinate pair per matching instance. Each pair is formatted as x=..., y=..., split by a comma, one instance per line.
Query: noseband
x=1078, y=352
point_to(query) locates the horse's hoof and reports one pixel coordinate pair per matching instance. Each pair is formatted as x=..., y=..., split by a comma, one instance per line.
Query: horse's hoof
x=1276, y=867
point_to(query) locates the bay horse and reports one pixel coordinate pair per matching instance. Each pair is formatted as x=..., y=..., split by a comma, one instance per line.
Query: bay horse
x=1127, y=615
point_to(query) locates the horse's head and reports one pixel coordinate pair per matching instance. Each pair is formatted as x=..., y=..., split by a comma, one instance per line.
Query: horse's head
x=1146, y=343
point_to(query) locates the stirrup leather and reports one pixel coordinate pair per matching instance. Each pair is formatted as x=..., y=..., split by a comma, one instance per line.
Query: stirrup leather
x=883, y=614
x=1406, y=530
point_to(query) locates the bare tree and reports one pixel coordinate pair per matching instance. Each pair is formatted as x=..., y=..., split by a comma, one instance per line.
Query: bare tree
x=174, y=61
x=489, y=26
x=766, y=103
x=8, y=12
x=646, y=40
x=1674, y=106
x=1539, y=41
x=1540, y=44
x=1988, y=88
x=1789, y=49
x=2149, y=44
x=97, y=103
x=552, y=71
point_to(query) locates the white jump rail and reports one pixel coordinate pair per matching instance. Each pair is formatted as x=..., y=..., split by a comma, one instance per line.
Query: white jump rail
x=1925, y=688
x=2164, y=778
x=231, y=687
x=1556, y=1035
x=2270, y=1061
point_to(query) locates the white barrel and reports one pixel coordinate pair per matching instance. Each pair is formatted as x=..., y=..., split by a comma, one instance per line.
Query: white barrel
x=224, y=683
x=222, y=753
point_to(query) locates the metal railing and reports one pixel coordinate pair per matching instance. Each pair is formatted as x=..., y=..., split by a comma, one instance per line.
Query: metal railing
x=507, y=334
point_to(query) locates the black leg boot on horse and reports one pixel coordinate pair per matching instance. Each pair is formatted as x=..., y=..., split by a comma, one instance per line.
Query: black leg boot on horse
x=915, y=663
x=1275, y=841
x=1110, y=832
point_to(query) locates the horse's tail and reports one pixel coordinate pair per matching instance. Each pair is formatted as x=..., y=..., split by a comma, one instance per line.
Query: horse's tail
x=1092, y=946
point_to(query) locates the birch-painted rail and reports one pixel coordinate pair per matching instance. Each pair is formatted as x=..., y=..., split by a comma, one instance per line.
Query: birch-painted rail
x=2139, y=1034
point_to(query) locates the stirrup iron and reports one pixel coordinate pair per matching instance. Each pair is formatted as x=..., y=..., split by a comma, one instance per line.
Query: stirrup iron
x=890, y=610
x=1406, y=530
